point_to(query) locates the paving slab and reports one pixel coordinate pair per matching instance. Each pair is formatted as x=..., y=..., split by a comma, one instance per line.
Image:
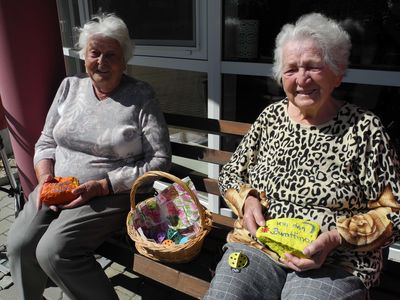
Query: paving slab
x=6, y=282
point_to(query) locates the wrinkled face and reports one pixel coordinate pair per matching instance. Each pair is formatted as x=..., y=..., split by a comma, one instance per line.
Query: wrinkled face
x=307, y=81
x=104, y=62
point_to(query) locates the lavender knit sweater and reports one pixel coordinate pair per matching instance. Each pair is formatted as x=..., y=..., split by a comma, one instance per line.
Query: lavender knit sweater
x=121, y=137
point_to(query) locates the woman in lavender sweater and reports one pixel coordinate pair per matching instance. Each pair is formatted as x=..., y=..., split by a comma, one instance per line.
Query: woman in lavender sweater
x=106, y=129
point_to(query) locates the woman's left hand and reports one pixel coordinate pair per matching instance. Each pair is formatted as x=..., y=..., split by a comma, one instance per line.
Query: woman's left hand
x=317, y=252
x=87, y=191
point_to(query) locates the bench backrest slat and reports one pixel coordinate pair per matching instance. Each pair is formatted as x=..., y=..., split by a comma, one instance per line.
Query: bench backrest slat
x=200, y=181
x=201, y=153
x=207, y=125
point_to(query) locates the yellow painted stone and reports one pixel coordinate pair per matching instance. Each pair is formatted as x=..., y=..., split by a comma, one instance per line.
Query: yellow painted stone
x=237, y=260
x=288, y=235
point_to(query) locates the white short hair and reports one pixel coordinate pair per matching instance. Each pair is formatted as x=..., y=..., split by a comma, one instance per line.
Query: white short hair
x=107, y=25
x=333, y=41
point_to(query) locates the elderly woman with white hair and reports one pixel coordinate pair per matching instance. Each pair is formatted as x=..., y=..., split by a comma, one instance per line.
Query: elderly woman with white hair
x=106, y=129
x=312, y=157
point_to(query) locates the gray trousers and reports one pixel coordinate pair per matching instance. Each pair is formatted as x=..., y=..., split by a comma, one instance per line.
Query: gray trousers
x=61, y=245
x=263, y=278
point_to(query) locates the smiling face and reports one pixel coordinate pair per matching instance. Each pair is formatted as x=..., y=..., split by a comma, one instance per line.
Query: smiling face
x=105, y=64
x=307, y=81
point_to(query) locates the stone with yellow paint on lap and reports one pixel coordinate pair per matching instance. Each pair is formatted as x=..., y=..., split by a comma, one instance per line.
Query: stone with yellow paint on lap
x=288, y=235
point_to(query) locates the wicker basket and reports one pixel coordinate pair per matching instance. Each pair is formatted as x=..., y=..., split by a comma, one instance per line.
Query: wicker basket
x=176, y=253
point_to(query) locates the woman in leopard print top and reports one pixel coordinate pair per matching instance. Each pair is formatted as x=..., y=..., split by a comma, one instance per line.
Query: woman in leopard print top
x=313, y=157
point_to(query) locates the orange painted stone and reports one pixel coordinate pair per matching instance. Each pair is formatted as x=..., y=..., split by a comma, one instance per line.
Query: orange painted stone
x=168, y=242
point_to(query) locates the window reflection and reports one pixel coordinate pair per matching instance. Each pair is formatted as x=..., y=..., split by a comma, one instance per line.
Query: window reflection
x=179, y=92
x=374, y=27
x=155, y=22
x=68, y=17
x=382, y=100
x=73, y=66
x=244, y=97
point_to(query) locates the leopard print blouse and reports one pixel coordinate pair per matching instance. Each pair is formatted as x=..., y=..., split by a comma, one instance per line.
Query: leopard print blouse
x=321, y=173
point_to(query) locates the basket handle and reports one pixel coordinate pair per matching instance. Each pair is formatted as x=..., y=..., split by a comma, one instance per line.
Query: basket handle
x=154, y=174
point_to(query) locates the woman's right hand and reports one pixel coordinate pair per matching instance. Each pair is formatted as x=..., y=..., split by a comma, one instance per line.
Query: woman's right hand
x=42, y=180
x=44, y=170
x=253, y=216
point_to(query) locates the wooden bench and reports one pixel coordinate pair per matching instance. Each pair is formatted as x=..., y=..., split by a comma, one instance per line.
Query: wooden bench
x=193, y=278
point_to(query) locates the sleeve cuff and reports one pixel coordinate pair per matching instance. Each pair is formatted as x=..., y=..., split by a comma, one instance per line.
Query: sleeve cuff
x=109, y=185
x=235, y=200
x=365, y=231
